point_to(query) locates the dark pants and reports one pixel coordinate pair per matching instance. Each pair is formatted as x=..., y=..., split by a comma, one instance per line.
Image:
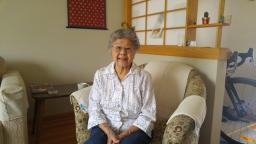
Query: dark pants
x=99, y=137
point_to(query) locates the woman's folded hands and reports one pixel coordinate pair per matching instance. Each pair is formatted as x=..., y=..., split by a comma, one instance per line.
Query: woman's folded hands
x=112, y=137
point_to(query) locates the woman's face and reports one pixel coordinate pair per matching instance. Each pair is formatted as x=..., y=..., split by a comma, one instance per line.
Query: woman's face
x=123, y=52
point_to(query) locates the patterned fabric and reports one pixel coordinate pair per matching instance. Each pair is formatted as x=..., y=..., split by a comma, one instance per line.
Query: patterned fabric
x=158, y=131
x=178, y=131
x=81, y=120
x=122, y=103
x=195, y=85
x=87, y=13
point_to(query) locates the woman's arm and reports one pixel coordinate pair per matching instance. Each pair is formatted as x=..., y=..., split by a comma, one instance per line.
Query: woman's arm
x=96, y=116
x=148, y=111
x=127, y=132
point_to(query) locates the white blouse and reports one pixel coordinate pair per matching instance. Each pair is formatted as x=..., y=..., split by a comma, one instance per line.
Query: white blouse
x=122, y=103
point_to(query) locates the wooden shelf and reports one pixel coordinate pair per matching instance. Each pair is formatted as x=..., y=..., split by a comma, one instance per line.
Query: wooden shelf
x=208, y=25
x=194, y=52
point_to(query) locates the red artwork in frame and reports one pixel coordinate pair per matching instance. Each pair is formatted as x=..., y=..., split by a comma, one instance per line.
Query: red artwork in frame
x=88, y=14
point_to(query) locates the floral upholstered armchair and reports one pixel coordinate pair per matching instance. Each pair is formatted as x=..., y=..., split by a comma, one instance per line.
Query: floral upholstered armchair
x=180, y=97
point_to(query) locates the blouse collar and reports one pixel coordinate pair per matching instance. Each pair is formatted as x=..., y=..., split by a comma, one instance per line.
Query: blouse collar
x=133, y=70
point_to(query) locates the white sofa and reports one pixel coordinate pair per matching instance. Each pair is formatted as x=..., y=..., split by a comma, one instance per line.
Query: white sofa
x=13, y=107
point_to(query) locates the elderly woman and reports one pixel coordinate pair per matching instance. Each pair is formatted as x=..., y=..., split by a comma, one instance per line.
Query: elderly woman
x=122, y=106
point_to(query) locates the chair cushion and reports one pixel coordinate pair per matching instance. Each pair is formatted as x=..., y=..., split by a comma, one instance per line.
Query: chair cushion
x=169, y=81
x=158, y=131
x=82, y=98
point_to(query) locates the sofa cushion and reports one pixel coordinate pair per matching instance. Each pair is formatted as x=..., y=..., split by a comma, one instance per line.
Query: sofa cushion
x=2, y=67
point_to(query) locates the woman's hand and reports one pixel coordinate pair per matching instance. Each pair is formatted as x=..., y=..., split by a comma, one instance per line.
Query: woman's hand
x=123, y=134
x=113, y=139
x=127, y=132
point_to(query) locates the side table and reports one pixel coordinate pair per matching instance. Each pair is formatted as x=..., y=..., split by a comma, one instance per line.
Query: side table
x=42, y=93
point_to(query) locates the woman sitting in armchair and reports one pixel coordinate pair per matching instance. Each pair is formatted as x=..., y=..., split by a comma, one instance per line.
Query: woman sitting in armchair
x=122, y=107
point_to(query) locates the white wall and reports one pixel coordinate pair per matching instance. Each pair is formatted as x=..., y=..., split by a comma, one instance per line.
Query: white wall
x=241, y=34
x=34, y=40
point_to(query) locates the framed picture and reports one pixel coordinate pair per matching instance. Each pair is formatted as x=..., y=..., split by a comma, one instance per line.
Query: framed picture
x=87, y=14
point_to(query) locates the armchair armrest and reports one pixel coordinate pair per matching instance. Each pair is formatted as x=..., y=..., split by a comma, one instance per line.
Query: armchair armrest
x=13, y=96
x=195, y=85
x=177, y=129
x=185, y=122
x=184, y=128
x=81, y=120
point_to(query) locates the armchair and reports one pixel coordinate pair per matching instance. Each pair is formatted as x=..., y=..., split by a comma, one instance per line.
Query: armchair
x=13, y=107
x=174, y=83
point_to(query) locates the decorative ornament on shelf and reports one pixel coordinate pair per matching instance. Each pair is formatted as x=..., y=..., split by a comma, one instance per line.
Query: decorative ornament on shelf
x=157, y=30
x=206, y=18
x=221, y=20
x=227, y=19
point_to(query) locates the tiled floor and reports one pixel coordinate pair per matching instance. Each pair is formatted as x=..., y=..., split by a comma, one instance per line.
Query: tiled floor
x=240, y=131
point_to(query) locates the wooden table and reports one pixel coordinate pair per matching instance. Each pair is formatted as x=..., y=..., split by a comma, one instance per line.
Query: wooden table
x=58, y=91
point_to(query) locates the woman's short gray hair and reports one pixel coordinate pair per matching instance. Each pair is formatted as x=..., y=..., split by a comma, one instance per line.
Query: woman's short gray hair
x=125, y=33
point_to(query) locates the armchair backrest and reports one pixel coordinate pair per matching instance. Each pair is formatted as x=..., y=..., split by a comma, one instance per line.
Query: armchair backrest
x=169, y=82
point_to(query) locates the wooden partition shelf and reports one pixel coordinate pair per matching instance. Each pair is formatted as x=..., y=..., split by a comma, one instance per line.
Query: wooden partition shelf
x=208, y=25
x=173, y=19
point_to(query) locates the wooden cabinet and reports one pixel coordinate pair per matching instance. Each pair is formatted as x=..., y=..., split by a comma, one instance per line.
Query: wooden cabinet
x=164, y=27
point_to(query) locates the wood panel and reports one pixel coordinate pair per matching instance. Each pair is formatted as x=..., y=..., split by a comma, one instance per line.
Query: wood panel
x=195, y=52
x=57, y=129
x=192, y=6
x=219, y=29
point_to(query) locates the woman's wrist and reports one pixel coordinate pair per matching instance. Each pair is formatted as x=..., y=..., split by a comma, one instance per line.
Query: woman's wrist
x=107, y=130
x=123, y=134
x=129, y=131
